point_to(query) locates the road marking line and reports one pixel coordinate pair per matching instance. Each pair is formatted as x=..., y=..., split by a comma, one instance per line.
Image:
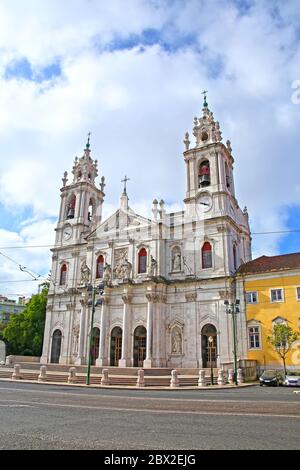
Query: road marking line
x=104, y=408
x=199, y=400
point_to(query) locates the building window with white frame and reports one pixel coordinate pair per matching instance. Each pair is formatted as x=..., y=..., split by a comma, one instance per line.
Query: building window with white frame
x=254, y=337
x=251, y=297
x=276, y=295
x=298, y=293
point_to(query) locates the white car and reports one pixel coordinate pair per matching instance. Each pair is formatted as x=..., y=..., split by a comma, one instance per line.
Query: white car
x=292, y=379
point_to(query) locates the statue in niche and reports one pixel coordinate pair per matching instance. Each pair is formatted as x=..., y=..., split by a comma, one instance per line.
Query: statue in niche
x=125, y=269
x=176, y=341
x=85, y=273
x=120, y=263
x=176, y=260
x=153, y=266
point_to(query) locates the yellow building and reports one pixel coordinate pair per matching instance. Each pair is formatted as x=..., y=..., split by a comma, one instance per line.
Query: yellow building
x=270, y=288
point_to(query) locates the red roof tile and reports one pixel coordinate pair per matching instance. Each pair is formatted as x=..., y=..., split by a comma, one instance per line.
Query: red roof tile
x=271, y=263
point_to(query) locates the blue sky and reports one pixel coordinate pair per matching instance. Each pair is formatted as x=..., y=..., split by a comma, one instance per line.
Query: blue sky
x=133, y=77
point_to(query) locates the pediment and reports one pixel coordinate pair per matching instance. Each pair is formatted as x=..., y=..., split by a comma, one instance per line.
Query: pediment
x=122, y=225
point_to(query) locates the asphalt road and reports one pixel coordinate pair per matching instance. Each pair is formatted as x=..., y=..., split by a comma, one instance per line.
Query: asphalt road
x=58, y=417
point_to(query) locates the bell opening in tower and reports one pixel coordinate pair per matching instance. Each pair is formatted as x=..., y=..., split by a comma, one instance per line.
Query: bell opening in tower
x=71, y=207
x=204, y=174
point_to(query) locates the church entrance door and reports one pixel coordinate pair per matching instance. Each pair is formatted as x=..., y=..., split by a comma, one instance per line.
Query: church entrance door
x=209, y=346
x=95, y=345
x=115, y=346
x=139, y=346
x=56, y=345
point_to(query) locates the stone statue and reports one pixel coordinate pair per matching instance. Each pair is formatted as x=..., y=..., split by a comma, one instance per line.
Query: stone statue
x=120, y=260
x=153, y=266
x=107, y=274
x=85, y=273
x=176, y=261
x=126, y=269
x=176, y=341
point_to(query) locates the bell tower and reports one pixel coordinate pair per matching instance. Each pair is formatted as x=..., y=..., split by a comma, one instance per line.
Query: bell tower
x=210, y=194
x=209, y=164
x=81, y=200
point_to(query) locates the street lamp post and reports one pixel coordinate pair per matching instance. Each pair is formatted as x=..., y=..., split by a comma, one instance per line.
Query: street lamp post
x=92, y=290
x=210, y=344
x=233, y=309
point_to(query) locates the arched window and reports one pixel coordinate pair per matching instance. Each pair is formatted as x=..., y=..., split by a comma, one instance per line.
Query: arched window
x=63, y=275
x=71, y=207
x=227, y=176
x=91, y=209
x=234, y=258
x=206, y=255
x=142, y=268
x=99, y=267
x=204, y=174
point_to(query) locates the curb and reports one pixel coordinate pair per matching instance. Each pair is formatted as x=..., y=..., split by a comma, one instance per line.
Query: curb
x=133, y=387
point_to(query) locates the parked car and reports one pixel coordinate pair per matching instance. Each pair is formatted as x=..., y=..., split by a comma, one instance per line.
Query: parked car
x=271, y=377
x=292, y=378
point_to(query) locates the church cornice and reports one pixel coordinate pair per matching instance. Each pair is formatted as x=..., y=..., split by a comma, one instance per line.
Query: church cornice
x=69, y=247
x=195, y=151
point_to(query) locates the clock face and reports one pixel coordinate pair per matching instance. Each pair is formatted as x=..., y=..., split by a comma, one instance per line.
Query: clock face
x=204, y=203
x=67, y=233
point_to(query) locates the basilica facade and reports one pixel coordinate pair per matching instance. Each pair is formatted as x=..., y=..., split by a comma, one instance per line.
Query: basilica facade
x=163, y=281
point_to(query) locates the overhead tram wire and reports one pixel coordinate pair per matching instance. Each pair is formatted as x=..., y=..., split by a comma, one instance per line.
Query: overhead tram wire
x=104, y=241
x=35, y=276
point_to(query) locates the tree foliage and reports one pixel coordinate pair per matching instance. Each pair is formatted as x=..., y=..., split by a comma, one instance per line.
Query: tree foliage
x=24, y=331
x=282, y=339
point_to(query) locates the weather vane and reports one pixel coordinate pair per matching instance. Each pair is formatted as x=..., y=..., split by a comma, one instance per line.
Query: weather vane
x=88, y=141
x=205, y=102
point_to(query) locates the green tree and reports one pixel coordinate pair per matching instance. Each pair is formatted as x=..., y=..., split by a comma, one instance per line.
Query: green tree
x=282, y=339
x=24, y=331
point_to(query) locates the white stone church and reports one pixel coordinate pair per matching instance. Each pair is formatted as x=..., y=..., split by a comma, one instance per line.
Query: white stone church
x=165, y=278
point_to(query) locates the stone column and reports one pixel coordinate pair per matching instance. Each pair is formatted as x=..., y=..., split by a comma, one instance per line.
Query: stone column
x=141, y=378
x=202, y=380
x=149, y=344
x=66, y=352
x=17, y=372
x=158, y=331
x=43, y=374
x=45, y=358
x=102, y=359
x=191, y=346
x=174, y=379
x=72, y=375
x=81, y=359
x=125, y=360
x=105, y=378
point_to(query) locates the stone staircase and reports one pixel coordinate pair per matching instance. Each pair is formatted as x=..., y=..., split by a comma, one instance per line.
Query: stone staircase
x=158, y=377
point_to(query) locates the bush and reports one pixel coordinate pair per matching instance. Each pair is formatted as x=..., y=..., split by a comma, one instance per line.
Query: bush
x=27, y=352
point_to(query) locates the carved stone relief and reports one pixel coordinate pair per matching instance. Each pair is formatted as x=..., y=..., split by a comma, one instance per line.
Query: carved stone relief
x=122, y=267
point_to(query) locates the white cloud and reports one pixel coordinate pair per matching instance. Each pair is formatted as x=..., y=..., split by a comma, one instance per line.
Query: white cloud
x=34, y=262
x=138, y=102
